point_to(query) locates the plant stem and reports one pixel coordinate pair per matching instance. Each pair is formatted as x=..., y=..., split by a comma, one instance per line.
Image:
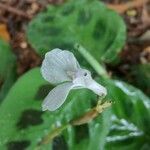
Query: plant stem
x=92, y=61
x=91, y=114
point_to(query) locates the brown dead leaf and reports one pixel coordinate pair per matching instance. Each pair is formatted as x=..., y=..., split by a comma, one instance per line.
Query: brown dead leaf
x=145, y=56
x=145, y=36
x=121, y=8
x=145, y=17
x=4, y=32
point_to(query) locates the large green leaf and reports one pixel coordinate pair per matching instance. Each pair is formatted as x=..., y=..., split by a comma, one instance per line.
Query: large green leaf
x=7, y=68
x=90, y=23
x=23, y=124
x=131, y=120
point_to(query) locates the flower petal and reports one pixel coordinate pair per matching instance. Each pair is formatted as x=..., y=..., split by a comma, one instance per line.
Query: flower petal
x=57, y=64
x=89, y=83
x=57, y=96
x=97, y=88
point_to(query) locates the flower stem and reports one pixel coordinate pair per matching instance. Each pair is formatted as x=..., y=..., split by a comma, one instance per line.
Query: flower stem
x=92, y=61
x=91, y=114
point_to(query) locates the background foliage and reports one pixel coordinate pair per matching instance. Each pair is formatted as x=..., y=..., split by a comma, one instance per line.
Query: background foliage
x=77, y=24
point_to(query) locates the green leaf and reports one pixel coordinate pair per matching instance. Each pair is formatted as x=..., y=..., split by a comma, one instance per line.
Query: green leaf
x=131, y=121
x=141, y=74
x=24, y=124
x=7, y=83
x=7, y=68
x=99, y=29
x=125, y=135
x=17, y=107
x=101, y=129
x=6, y=57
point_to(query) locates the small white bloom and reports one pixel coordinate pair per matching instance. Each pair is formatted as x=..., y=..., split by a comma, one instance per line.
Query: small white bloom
x=61, y=68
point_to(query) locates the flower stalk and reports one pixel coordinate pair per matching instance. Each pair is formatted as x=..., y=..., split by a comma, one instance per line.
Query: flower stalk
x=91, y=114
x=92, y=61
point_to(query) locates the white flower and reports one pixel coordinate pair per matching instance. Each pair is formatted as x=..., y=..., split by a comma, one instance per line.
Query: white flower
x=61, y=68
